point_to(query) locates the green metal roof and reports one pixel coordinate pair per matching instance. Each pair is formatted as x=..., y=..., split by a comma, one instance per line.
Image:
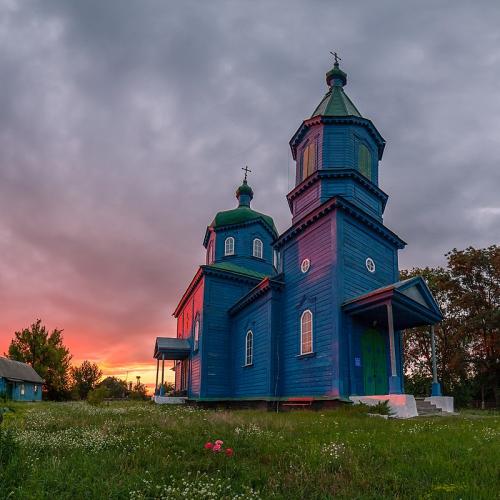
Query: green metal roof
x=336, y=103
x=233, y=268
x=240, y=215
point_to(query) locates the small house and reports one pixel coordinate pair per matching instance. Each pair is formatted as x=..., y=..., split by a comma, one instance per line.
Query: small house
x=19, y=381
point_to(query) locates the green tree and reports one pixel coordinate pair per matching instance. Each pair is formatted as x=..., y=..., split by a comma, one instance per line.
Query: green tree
x=468, y=293
x=47, y=354
x=116, y=387
x=85, y=378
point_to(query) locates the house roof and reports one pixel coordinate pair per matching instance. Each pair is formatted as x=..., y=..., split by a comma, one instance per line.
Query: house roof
x=19, y=372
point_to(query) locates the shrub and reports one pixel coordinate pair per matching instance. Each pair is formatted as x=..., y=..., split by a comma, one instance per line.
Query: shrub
x=97, y=396
x=8, y=446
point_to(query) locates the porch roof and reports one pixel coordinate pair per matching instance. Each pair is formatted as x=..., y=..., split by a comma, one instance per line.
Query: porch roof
x=171, y=348
x=412, y=305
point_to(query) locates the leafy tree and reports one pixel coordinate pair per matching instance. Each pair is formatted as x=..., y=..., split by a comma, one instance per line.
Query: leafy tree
x=468, y=352
x=47, y=354
x=116, y=387
x=139, y=390
x=85, y=378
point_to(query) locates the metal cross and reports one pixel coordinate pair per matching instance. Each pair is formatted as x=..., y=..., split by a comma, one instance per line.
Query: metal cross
x=337, y=58
x=246, y=169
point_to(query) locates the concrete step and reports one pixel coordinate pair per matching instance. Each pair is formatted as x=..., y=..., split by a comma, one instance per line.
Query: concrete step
x=426, y=408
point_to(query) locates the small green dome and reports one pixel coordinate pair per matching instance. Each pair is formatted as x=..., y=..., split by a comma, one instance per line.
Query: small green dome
x=240, y=215
x=337, y=75
x=244, y=189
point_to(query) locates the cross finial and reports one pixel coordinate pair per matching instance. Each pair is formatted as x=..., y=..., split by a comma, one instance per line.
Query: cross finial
x=336, y=57
x=246, y=169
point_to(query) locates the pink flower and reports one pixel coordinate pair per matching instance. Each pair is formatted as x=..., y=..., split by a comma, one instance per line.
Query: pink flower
x=208, y=446
x=229, y=452
x=216, y=448
x=219, y=442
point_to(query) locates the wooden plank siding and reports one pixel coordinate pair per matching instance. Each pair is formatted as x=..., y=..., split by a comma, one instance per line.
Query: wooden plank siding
x=243, y=247
x=220, y=295
x=316, y=374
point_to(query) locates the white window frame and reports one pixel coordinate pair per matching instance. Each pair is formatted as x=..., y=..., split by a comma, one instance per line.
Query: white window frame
x=305, y=265
x=35, y=389
x=370, y=265
x=258, y=248
x=303, y=332
x=196, y=332
x=249, y=348
x=22, y=390
x=229, y=245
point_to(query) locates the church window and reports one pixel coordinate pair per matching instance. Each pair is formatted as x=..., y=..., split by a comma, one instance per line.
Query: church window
x=257, y=248
x=370, y=265
x=306, y=264
x=22, y=390
x=196, y=333
x=229, y=246
x=35, y=389
x=306, y=332
x=365, y=161
x=249, y=348
x=309, y=159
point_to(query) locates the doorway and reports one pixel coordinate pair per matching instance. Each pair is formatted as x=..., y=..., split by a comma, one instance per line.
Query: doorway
x=373, y=351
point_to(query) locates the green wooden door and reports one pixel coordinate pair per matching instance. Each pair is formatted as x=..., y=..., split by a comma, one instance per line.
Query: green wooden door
x=374, y=362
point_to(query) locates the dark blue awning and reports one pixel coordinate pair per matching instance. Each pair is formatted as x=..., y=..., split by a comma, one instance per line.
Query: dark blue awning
x=171, y=348
x=412, y=305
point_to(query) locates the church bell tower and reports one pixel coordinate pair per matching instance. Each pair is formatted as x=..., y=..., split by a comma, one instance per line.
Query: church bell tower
x=337, y=152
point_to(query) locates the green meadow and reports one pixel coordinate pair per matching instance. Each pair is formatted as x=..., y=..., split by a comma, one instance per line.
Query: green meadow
x=136, y=450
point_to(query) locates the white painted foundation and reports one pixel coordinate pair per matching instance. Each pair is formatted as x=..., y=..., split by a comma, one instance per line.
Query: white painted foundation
x=168, y=400
x=445, y=403
x=402, y=405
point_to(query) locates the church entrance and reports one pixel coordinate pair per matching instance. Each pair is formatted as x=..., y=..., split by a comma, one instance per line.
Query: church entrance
x=373, y=350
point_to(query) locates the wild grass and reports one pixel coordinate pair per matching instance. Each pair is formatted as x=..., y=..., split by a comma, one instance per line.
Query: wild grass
x=142, y=451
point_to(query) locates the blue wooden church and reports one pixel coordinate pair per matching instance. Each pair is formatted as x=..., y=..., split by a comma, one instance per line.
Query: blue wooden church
x=314, y=313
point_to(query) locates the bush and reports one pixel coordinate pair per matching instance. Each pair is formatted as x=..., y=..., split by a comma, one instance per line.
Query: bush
x=8, y=446
x=97, y=396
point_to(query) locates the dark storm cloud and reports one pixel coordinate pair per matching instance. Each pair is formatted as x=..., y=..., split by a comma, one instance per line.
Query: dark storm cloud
x=123, y=127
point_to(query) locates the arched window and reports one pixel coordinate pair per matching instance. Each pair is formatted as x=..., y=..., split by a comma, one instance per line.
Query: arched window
x=306, y=332
x=257, y=248
x=365, y=161
x=229, y=246
x=196, y=333
x=249, y=348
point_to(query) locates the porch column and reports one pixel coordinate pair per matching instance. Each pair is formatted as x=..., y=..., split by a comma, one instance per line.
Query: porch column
x=436, y=386
x=157, y=370
x=394, y=380
x=162, y=372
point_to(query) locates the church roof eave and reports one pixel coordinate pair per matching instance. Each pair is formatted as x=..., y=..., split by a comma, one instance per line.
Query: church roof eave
x=339, y=202
x=337, y=173
x=258, y=291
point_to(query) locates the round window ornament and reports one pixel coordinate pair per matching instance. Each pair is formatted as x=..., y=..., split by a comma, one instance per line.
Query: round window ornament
x=306, y=264
x=370, y=265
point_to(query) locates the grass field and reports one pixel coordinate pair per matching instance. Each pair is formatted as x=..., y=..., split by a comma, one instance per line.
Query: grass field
x=139, y=450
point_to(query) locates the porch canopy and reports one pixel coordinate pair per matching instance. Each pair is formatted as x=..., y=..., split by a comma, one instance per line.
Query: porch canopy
x=171, y=348
x=411, y=302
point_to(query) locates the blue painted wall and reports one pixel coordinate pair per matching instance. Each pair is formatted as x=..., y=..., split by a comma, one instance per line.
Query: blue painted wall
x=315, y=374
x=21, y=391
x=243, y=247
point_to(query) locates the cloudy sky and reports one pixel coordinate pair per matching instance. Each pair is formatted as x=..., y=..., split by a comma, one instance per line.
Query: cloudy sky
x=124, y=125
